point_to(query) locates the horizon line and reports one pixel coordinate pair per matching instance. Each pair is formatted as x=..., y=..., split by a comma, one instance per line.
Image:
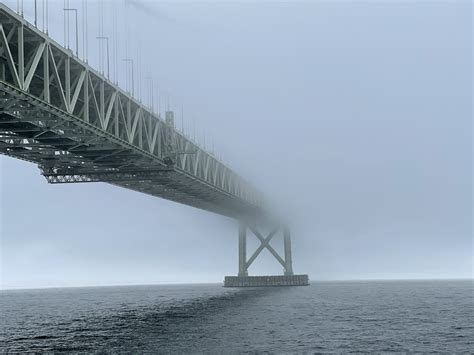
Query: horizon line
x=167, y=283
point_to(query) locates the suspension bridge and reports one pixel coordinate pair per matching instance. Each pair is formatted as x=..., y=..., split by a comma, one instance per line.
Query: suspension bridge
x=58, y=112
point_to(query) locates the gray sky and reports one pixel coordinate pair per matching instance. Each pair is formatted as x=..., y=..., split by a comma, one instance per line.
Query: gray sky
x=355, y=117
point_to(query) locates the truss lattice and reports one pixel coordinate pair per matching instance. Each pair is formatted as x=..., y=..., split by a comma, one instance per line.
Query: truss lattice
x=61, y=114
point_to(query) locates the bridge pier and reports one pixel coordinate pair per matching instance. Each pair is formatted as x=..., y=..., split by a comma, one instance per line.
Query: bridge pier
x=243, y=280
x=243, y=250
x=287, y=245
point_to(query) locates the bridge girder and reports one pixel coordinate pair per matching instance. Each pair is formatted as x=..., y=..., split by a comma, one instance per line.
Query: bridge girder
x=58, y=112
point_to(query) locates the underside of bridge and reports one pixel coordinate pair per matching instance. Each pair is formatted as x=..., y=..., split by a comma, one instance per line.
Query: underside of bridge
x=71, y=151
x=59, y=113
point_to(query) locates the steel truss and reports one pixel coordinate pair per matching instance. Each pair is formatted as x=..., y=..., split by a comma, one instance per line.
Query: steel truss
x=58, y=112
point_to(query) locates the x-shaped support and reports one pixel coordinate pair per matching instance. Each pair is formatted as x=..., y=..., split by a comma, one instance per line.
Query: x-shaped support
x=245, y=263
x=265, y=243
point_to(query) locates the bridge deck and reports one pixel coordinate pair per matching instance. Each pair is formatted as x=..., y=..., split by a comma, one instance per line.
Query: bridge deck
x=58, y=112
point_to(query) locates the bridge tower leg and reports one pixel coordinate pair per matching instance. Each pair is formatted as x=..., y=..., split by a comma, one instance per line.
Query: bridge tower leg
x=287, y=279
x=287, y=245
x=243, y=250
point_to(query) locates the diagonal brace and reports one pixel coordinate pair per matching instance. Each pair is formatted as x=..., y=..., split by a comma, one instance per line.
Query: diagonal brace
x=265, y=243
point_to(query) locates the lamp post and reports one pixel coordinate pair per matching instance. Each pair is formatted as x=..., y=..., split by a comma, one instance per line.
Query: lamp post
x=150, y=92
x=133, y=83
x=77, y=32
x=108, y=66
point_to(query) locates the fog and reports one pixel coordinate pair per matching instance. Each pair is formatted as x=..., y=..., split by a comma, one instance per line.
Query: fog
x=353, y=117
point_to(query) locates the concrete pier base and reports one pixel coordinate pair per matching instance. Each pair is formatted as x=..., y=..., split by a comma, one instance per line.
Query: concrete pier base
x=266, y=281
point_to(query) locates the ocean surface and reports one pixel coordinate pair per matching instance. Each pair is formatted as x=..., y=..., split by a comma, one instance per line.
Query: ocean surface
x=405, y=316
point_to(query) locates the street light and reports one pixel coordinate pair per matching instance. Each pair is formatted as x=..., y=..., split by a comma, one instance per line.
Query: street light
x=77, y=32
x=150, y=92
x=107, y=40
x=131, y=62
